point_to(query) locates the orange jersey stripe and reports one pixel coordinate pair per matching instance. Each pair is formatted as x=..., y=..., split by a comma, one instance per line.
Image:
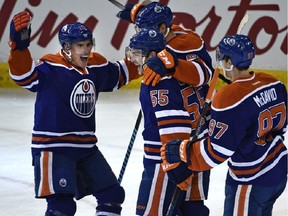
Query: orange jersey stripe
x=174, y=121
x=152, y=150
x=169, y=137
x=66, y=138
x=242, y=200
x=157, y=193
x=45, y=188
x=211, y=152
x=28, y=81
x=257, y=169
x=198, y=163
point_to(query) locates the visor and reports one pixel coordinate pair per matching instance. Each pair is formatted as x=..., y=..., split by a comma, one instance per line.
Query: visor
x=219, y=56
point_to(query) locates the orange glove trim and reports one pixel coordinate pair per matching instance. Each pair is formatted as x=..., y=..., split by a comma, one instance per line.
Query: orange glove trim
x=167, y=166
x=185, y=184
x=166, y=58
x=21, y=20
x=134, y=11
x=150, y=77
x=183, y=150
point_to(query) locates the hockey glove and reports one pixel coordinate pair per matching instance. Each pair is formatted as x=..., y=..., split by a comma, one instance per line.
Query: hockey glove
x=158, y=66
x=20, y=31
x=178, y=173
x=170, y=151
x=175, y=151
x=129, y=12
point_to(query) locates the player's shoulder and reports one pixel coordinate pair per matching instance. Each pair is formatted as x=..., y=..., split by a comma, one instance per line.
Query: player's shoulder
x=234, y=93
x=185, y=40
x=53, y=59
x=265, y=77
x=96, y=59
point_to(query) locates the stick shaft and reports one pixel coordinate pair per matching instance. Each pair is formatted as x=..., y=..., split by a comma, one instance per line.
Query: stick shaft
x=242, y=23
x=117, y=4
x=130, y=146
x=177, y=195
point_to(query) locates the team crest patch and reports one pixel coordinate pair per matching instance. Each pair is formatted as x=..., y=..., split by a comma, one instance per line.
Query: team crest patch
x=83, y=98
x=63, y=182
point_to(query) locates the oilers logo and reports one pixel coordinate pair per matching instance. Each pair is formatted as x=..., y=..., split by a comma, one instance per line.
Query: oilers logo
x=83, y=98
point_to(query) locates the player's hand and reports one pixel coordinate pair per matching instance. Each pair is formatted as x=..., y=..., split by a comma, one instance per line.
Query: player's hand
x=178, y=173
x=150, y=77
x=158, y=66
x=170, y=151
x=130, y=11
x=20, y=31
x=175, y=151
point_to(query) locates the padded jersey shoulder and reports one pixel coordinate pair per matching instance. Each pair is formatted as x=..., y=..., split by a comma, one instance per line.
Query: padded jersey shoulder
x=236, y=91
x=181, y=42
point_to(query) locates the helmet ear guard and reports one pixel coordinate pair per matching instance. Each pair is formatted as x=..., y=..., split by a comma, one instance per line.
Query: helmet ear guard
x=239, y=48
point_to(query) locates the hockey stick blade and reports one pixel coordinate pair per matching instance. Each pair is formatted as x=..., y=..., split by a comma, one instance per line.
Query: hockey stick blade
x=242, y=23
x=117, y=4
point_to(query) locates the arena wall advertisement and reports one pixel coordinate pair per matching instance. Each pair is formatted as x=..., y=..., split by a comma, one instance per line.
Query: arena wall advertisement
x=267, y=25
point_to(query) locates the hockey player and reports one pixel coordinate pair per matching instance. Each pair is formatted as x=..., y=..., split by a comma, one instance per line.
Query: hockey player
x=168, y=114
x=248, y=120
x=67, y=163
x=186, y=45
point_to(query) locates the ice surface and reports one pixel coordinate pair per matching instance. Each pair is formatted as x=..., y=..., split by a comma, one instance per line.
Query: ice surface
x=116, y=116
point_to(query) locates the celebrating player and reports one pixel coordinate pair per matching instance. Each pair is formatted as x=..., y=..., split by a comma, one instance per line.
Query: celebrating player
x=67, y=162
x=167, y=115
x=248, y=120
x=186, y=45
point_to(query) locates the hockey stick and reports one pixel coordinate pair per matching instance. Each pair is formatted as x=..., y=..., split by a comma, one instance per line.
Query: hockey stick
x=130, y=146
x=242, y=23
x=177, y=196
x=117, y=4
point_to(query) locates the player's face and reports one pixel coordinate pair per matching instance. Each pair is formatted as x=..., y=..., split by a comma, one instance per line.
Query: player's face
x=80, y=52
x=136, y=57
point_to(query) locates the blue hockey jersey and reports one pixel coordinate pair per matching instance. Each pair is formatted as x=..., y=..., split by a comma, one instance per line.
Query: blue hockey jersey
x=248, y=120
x=171, y=110
x=66, y=97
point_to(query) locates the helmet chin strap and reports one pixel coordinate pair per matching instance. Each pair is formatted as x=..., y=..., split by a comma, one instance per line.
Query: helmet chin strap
x=67, y=54
x=226, y=69
x=167, y=32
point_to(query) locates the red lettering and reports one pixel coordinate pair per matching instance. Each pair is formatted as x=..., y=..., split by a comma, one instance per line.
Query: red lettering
x=47, y=33
x=270, y=26
x=5, y=13
x=121, y=30
x=262, y=25
x=187, y=20
x=284, y=44
x=210, y=29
